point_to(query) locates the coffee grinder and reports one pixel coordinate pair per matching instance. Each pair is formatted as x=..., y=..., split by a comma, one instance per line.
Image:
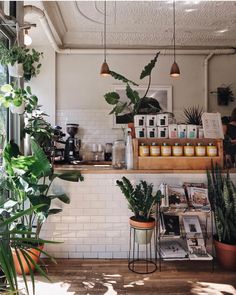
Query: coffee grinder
x=71, y=152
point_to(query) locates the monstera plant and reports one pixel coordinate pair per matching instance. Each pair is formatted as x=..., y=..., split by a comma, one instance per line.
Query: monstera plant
x=136, y=104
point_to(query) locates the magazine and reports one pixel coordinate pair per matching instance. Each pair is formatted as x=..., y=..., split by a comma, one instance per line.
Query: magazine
x=197, y=249
x=194, y=238
x=176, y=197
x=172, y=249
x=198, y=197
x=171, y=225
x=192, y=226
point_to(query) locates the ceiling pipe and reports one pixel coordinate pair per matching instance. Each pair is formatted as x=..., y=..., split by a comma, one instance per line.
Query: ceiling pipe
x=206, y=77
x=30, y=9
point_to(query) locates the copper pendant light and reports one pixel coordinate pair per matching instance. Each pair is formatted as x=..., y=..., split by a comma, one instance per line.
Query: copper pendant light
x=174, y=71
x=105, y=68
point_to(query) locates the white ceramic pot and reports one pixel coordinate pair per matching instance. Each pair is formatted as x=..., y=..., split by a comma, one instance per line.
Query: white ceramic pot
x=16, y=70
x=18, y=110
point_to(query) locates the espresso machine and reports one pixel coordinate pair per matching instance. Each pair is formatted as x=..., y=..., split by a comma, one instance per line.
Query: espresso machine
x=72, y=143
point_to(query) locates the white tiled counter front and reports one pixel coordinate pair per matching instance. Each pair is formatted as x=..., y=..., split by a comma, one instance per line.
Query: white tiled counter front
x=95, y=223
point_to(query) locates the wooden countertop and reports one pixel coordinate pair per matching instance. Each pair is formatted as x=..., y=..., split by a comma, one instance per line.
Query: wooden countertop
x=102, y=169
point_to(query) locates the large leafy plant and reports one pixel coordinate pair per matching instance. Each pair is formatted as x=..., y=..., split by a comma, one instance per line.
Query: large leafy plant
x=135, y=104
x=14, y=239
x=30, y=58
x=140, y=198
x=222, y=197
x=30, y=178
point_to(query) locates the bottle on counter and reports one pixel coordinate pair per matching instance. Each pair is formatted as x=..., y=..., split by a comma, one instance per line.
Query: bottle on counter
x=177, y=150
x=129, y=155
x=165, y=150
x=211, y=150
x=155, y=150
x=200, y=150
x=108, y=152
x=118, y=154
x=188, y=150
x=143, y=150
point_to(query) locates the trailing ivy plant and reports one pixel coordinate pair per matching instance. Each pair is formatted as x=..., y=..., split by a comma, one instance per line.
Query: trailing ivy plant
x=30, y=58
x=135, y=104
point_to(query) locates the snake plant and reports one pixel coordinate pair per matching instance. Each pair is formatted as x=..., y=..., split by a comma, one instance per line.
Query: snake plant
x=222, y=197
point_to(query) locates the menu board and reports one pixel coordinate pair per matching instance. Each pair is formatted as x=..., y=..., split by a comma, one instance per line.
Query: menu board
x=212, y=125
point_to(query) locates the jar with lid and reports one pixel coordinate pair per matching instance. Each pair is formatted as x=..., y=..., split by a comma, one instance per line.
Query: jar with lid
x=177, y=150
x=211, y=150
x=200, y=150
x=155, y=150
x=118, y=154
x=188, y=150
x=165, y=150
x=143, y=150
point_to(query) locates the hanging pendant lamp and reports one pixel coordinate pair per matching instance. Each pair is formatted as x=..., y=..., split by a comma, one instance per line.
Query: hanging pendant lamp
x=174, y=71
x=105, y=68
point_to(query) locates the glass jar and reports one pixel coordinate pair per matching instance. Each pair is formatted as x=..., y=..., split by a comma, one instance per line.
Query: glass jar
x=143, y=150
x=211, y=150
x=165, y=150
x=200, y=150
x=155, y=150
x=188, y=150
x=118, y=154
x=177, y=150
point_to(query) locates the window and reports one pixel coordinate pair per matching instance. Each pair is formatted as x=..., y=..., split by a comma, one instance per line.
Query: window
x=3, y=112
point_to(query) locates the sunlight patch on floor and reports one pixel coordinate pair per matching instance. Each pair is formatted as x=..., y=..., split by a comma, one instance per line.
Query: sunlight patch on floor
x=43, y=288
x=205, y=288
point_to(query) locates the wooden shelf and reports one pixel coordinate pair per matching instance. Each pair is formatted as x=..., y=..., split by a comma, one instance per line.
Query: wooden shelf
x=176, y=163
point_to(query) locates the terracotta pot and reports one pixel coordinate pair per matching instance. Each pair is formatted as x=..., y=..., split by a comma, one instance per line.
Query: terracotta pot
x=226, y=255
x=131, y=126
x=34, y=254
x=143, y=230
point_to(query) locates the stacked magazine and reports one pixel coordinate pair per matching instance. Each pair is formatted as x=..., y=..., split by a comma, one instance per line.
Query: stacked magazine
x=172, y=250
x=194, y=238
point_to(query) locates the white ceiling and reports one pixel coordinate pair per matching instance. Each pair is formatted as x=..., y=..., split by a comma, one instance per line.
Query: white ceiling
x=140, y=24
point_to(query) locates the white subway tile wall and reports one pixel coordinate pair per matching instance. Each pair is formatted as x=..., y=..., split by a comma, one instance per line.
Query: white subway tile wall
x=95, y=126
x=89, y=230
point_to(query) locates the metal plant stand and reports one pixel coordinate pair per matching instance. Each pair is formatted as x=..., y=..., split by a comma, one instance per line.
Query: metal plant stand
x=142, y=256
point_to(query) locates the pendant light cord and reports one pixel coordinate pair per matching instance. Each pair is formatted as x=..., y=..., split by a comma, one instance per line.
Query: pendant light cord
x=105, y=30
x=174, y=26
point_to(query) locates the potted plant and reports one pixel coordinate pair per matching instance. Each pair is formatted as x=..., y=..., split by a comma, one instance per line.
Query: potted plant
x=193, y=115
x=18, y=99
x=14, y=237
x=30, y=179
x=21, y=61
x=142, y=202
x=222, y=197
x=136, y=104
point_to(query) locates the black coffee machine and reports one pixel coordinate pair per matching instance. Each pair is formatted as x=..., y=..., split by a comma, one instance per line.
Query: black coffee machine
x=72, y=143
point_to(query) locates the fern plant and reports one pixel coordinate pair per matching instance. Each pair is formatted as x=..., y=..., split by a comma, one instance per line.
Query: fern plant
x=140, y=198
x=222, y=197
x=135, y=104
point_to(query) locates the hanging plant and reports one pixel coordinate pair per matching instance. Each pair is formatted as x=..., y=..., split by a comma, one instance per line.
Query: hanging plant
x=224, y=95
x=28, y=59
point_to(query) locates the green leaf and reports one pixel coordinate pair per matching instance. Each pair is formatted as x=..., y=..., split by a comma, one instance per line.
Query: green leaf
x=74, y=176
x=149, y=67
x=132, y=94
x=63, y=197
x=6, y=88
x=28, y=89
x=112, y=98
x=54, y=211
x=122, y=78
x=43, y=166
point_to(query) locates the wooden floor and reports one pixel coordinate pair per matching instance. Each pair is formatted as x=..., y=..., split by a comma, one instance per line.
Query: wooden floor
x=112, y=277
